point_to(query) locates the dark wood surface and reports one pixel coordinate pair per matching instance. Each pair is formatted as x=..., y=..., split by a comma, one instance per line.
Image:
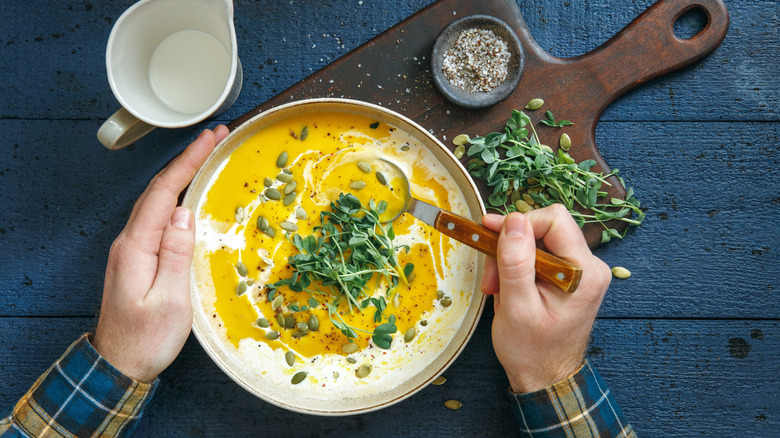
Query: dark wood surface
x=689, y=344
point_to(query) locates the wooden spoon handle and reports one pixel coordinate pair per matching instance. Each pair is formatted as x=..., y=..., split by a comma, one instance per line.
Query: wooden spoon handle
x=549, y=268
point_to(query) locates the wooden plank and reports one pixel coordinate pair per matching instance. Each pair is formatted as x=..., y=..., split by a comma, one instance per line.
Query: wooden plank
x=697, y=254
x=677, y=378
x=52, y=62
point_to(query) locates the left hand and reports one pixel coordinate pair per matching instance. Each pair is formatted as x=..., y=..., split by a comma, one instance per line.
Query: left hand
x=146, y=314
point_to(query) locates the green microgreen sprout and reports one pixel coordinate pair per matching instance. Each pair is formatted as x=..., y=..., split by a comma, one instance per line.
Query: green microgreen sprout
x=550, y=121
x=337, y=262
x=515, y=162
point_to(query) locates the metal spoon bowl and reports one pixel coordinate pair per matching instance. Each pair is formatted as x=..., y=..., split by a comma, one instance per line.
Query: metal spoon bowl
x=549, y=268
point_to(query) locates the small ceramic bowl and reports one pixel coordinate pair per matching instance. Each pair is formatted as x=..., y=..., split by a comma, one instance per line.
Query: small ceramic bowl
x=447, y=38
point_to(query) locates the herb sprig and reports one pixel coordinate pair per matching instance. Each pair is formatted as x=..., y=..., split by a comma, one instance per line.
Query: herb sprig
x=521, y=170
x=550, y=121
x=340, y=259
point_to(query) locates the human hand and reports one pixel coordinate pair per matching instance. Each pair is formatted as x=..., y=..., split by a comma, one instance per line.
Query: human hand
x=540, y=332
x=146, y=315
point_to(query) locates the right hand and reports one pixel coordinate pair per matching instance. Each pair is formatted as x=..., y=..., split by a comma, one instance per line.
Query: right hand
x=539, y=331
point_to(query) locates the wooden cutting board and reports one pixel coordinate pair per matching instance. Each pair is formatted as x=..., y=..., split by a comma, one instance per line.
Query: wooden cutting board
x=393, y=70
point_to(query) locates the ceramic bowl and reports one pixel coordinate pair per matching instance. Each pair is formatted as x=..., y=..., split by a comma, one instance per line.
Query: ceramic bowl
x=224, y=355
x=447, y=38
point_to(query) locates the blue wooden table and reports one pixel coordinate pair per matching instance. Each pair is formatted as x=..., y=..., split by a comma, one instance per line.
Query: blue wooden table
x=690, y=344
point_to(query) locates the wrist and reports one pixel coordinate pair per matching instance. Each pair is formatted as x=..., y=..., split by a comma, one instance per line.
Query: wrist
x=525, y=382
x=118, y=360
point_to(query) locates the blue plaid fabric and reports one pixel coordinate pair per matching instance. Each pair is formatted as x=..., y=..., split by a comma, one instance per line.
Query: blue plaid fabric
x=580, y=406
x=81, y=395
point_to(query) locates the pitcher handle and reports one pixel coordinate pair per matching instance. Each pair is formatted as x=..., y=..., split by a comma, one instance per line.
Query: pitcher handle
x=122, y=129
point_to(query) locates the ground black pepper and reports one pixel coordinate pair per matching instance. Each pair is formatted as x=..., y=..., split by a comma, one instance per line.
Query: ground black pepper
x=478, y=61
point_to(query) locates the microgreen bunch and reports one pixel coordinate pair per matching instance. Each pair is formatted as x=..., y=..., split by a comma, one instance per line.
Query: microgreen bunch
x=515, y=163
x=338, y=262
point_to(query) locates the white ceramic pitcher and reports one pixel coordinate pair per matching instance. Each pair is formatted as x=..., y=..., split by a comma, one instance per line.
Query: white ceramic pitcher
x=170, y=64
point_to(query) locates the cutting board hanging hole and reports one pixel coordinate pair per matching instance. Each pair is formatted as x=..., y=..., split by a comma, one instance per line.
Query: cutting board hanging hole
x=691, y=23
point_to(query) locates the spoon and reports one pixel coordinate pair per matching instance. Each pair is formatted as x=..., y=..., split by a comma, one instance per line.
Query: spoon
x=549, y=268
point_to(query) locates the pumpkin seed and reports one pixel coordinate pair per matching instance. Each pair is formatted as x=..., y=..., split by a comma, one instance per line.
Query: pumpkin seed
x=241, y=288
x=287, y=171
x=298, y=377
x=273, y=334
x=298, y=335
x=534, y=104
x=241, y=269
x=621, y=272
x=446, y=302
x=528, y=199
x=288, y=226
x=405, y=148
x=250, y=282
x=516, y=196
x=263, y=323
x=289, y=357
x=314, y=323
x=304, y=133
x=546, y=148
x=410, y=334
x=351, y=359
x=365, y=167
x=424, y=322
x=284, y=177
x=289, y=199
x=290, y=187
x=268, y=182
x=302, y=326
x=239, y=214
x=269, y=232
x=281, y=160
x=335, y=374
x=262, y=223
x=357, y=185
x=381, y=178
x=363, y=371
x=350, y=348
x=280, y=320
x=453, y=405
x=460, y=140
x=439, y=294
x=439, y=381
x=277, y=302
x=272, y=194
x=523, y=206
x=289, y=322
x=459, y=151
x=565, y=142
x=300, y=213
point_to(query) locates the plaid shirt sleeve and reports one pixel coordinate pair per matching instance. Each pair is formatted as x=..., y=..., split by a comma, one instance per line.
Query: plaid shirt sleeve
x=580, y=406
x=81, y=395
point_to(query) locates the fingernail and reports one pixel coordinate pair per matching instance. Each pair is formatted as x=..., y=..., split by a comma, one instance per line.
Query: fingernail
x=515, y=225
x=182, y=219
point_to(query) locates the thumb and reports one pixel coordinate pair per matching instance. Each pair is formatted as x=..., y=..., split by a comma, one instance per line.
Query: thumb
x=176, y=249
x=516, y=259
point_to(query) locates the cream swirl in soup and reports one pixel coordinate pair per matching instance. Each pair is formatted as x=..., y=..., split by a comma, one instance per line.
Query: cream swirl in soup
x=275, y=186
